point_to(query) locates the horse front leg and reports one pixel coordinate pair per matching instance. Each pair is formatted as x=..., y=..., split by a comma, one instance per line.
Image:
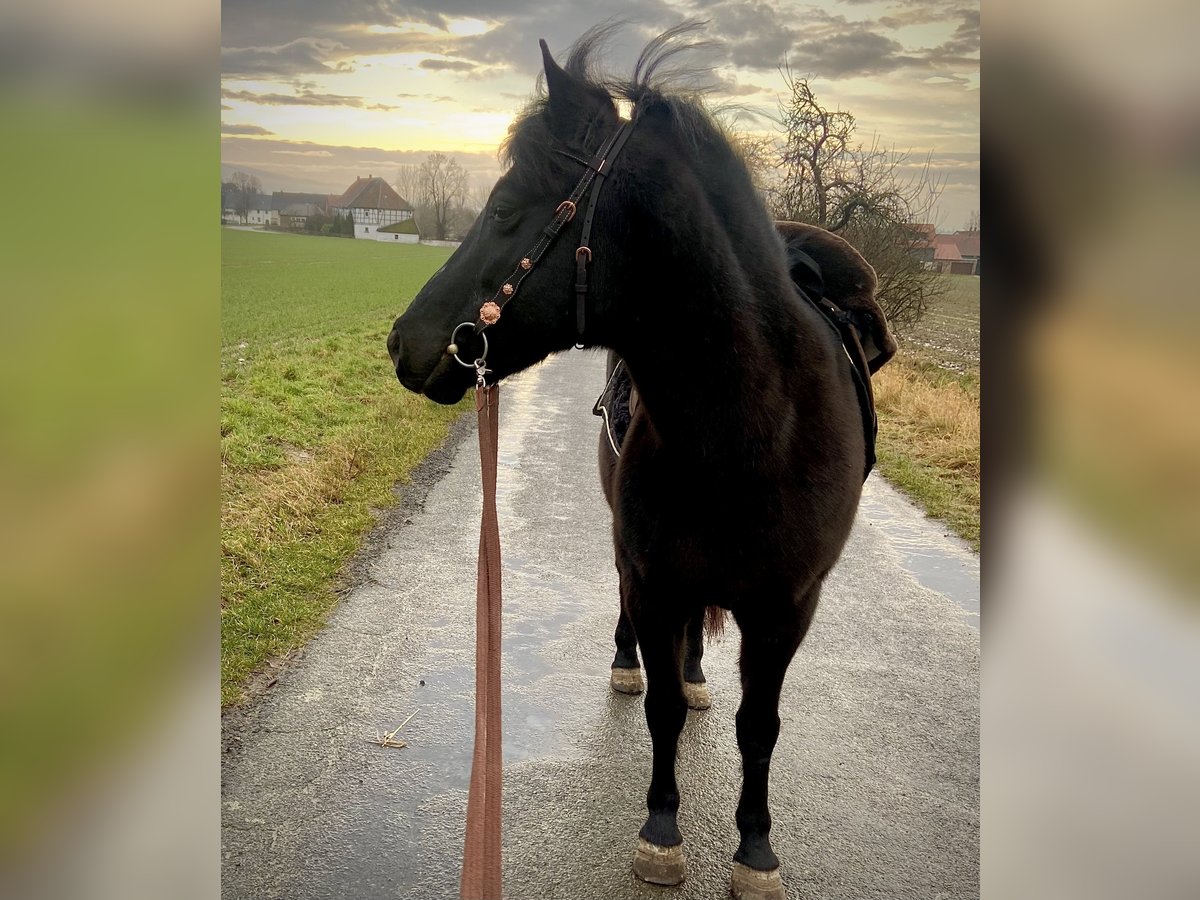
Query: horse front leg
x=659, y=857
x=768, y=646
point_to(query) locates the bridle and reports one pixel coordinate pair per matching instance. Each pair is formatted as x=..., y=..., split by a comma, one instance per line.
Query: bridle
x=597, y=172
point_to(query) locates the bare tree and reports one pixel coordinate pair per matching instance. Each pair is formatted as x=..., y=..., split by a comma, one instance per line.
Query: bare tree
x=247, y=187
x=408, y=183
x=973, y=222
x=443, y=185
x=870, y=193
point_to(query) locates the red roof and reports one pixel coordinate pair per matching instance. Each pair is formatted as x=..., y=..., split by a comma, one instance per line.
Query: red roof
x=371, y=193
x=922, y=234
x=968, y=242
x=945, y=247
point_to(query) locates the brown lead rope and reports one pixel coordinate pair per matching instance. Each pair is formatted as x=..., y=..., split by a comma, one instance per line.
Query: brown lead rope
x=481, y=855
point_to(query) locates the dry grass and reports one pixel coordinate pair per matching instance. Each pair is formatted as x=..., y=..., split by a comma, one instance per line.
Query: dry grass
x=929, y=439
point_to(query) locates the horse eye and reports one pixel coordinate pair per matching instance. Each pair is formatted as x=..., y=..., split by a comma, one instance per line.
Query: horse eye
x=501, y=212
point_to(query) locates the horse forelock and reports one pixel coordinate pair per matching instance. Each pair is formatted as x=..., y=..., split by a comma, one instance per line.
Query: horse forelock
x=664, y=86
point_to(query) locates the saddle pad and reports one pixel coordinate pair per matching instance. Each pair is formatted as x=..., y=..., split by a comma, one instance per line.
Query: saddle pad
x=615, y=406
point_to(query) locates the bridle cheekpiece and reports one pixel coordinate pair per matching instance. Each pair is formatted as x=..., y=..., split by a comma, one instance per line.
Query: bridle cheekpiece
x=597, y=172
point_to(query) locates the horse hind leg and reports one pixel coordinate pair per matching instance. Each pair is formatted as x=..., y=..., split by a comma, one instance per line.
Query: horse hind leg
x=695, y=687
x=627, y=675
x=767, y=649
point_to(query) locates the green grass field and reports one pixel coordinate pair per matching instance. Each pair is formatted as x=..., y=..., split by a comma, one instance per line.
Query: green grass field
x=315, y=429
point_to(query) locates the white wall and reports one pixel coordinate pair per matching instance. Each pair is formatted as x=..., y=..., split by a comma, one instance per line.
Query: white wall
x=372, y=233
x=262, y=217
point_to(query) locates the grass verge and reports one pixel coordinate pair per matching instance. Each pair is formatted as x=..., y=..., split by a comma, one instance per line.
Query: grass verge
x=928, y=442
x=928, y=404
x=315, y=431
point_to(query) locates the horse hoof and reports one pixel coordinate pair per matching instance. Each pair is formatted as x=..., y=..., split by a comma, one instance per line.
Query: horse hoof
x=627, y=681
x=751, y=884
x=658, y=865
x=696, y=693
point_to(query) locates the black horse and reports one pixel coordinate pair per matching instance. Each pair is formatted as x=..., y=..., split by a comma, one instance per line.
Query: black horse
x=742, y=467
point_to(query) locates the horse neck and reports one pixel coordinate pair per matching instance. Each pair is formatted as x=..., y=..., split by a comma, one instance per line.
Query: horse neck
x=709, y=345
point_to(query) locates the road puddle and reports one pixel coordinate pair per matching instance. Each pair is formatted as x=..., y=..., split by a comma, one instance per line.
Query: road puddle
x=937, y=559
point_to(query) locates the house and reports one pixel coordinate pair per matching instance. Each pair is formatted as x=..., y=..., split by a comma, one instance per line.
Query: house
x=296, y=215
x=958, y=253
x=968, y=247
x=374, y=204
x=255, y=209
x=294, y=209
x=239, y=208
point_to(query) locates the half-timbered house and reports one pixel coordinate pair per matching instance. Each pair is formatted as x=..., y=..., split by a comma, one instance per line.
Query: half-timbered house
x=374, y=204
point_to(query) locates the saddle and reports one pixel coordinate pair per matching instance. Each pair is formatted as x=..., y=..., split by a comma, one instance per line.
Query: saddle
x=855, y=318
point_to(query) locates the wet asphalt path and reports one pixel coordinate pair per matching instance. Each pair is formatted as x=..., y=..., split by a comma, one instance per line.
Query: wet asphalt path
x=875, y=782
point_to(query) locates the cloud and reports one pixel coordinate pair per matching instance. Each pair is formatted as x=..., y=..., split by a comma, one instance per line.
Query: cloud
x=244, y=129
x=302, y=56
x=317, y=153
x=923, y=13
x=859, y=52
x=303, y=98
x=730, y=87
x=759, y=36
x=963, y=46
x=451, y=65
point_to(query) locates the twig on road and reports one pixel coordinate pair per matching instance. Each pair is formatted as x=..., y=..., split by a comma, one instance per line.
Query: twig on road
x=388, y=739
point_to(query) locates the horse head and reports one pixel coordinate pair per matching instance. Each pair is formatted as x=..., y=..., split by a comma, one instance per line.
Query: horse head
x=502, y=258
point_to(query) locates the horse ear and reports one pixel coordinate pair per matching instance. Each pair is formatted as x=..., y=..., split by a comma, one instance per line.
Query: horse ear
x=572, y=104
x=558, y=82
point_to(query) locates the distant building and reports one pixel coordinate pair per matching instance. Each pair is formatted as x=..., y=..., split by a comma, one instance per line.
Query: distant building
x=293, y=210
x=968, y=248
x=958, y=253
x=375, y=205
x=237, y=209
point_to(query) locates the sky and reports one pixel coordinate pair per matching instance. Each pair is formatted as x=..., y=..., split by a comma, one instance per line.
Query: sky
x=317, y=92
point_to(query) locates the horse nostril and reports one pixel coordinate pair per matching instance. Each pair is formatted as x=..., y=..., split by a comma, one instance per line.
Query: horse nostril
x=393, y=345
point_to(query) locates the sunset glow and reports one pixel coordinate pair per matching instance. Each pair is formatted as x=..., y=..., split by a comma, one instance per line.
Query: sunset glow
x=313, y=98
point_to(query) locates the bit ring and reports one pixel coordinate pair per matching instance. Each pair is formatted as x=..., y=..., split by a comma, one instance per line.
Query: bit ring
x=454, y=341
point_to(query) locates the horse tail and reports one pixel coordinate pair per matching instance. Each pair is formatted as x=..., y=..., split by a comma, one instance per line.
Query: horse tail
x=714, y=621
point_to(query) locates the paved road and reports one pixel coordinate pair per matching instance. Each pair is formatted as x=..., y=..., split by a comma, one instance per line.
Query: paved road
x=875, y=784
